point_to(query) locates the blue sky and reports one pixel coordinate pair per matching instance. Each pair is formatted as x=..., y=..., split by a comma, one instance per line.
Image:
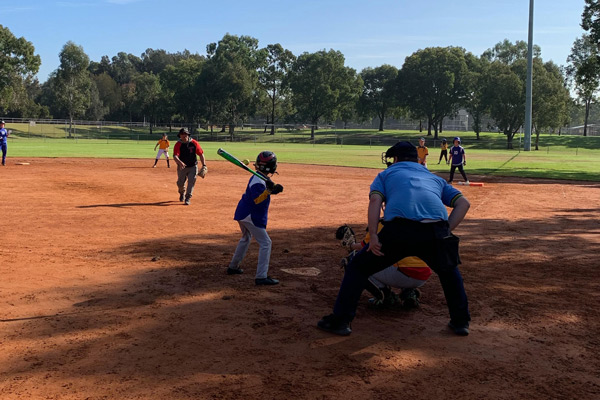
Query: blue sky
x=369, y=33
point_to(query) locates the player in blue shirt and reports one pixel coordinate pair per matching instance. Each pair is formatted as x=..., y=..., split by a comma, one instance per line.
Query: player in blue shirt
x=252, y=215
x=416, y=223
x=458, y=159
x=3, y=143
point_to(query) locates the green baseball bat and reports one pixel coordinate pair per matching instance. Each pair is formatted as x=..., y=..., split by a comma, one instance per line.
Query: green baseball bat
x=240, y=164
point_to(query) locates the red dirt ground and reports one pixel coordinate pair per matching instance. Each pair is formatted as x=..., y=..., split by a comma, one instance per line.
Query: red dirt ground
x=112, y=289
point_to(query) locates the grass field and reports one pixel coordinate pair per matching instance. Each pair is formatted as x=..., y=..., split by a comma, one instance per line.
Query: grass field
x=558, y=157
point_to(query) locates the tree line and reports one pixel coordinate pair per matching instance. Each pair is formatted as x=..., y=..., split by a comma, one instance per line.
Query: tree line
x=237, y=81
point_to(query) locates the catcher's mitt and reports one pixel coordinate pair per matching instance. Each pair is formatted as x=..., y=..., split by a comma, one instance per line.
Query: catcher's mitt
x=203, y=171
x=345, y=235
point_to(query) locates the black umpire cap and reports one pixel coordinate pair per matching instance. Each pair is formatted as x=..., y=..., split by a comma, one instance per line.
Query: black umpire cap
x=405, y=151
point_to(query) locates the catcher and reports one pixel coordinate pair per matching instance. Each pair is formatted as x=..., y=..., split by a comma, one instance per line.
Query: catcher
x=407, y=274
x=185, y=152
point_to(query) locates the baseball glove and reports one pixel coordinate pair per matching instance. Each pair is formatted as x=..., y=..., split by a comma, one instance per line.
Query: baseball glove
x=346, y=236
x=203, y=171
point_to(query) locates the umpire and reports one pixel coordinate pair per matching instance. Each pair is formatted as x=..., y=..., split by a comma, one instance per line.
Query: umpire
x=416, y=223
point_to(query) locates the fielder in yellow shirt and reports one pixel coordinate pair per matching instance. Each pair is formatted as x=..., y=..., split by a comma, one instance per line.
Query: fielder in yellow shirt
x=163, y=145
x=422, y=152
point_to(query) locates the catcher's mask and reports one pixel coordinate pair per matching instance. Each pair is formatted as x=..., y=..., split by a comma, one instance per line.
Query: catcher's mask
x=266, y=162
x=403, y=151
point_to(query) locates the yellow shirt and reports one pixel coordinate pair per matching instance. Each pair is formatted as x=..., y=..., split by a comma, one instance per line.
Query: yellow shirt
x=444, y=146
x=422, y=152
x=163, y=144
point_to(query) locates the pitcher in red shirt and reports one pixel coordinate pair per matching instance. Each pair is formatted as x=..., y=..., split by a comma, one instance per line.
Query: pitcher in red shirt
x=184, y=154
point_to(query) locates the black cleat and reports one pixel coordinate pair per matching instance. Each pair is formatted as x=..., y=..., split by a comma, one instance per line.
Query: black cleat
x=234, y=271
x=333, y=324
x=459, y=329
x=266, y=281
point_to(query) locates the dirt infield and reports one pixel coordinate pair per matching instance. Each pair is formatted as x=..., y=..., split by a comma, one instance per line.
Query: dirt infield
x=112, y=289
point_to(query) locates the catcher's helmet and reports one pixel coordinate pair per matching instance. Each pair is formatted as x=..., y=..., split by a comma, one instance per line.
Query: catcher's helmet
x=456, y=138
x=266, y=162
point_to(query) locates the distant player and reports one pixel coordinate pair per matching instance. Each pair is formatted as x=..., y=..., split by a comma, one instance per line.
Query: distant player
x=458, y=159
x=3, y=142
x=252, y=215
x=185, y=152
x=444, y=151
x=422, y=152
x=163, y=145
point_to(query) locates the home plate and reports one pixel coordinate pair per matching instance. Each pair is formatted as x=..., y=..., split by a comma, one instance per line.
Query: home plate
x=310, y=271
x=22, y=163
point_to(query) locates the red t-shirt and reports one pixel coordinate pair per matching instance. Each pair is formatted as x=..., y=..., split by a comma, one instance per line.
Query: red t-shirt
x=187, y=152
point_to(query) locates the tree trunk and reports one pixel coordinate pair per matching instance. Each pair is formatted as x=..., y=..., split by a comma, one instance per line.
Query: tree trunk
x=587, y=114
x=231, y=130
x=273, y=115
x=223, y=128
x=509, y=138
x=537, y=138
x=429, y=123
x=380, y=124
x=441, y=124
x=312, y=129
x=420, y=125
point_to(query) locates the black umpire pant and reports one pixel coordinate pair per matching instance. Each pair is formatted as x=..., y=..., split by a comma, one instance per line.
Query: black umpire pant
x=432, y=242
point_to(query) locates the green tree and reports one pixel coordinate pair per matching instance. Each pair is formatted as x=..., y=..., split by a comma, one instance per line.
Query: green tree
x=550, y=109
x=125, y=67
x=505, y=93
x=507, y=52
x=583, y=71
x=96, y=110
x=109, y=93
x=72, y=82
x=321, y=85
x=590, y=20
x=180, y=85
x=272, y=80
x=235, y=62
x=475, y=101
x=18, y=64
x=147, y=96
x=378, y=95
x=433, y=83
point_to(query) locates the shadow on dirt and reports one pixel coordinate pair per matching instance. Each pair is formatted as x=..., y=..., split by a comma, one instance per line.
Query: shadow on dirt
x=183, y=316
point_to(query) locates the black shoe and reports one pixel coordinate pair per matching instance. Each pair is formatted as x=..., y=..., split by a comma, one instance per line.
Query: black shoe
x=410, y=298
x=234, y=271
x=266, y=281
x=187, y=201
x=459, y=329
x=333, y=324
x=180, y=196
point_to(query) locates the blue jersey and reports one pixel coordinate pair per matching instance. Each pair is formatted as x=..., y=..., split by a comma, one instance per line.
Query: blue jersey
x=254, y=202
x=457, y=152
x=3, y=135
x=410, y=191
